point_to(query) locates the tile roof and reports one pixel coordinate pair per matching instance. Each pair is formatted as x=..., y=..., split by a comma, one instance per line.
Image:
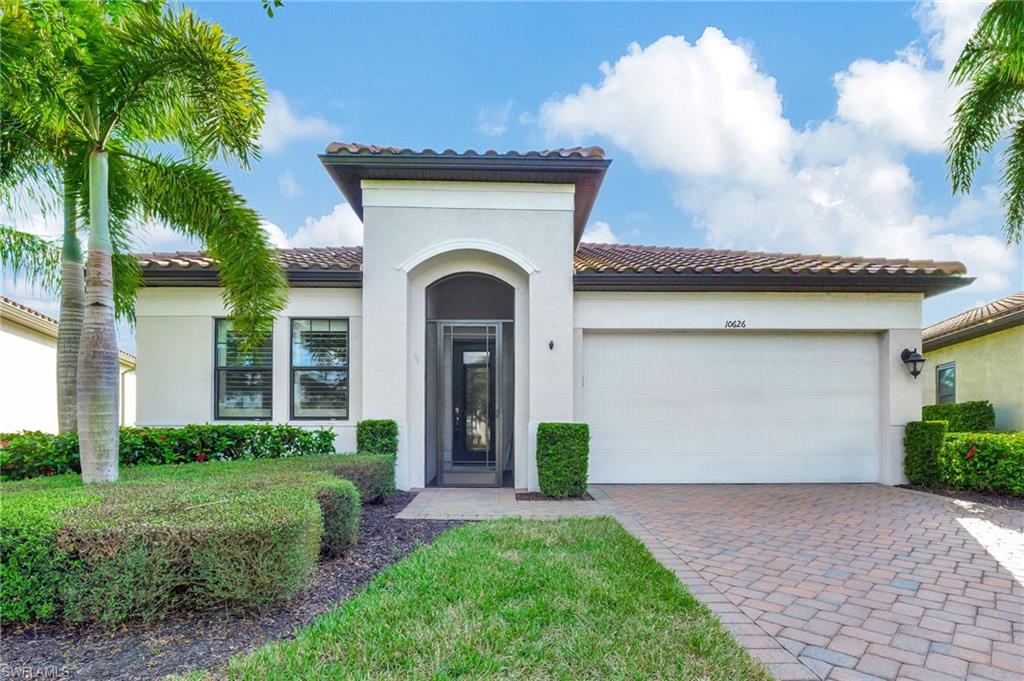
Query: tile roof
x=341, y=258
x=45, y=323
x=610, y=259
x=994, y=316
x=621, y=258
x=45, y=319
x=356, y=148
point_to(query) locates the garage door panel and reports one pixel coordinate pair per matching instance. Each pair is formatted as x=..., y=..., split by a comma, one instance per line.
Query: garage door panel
x=723, y=439
x=740, y=469
x=707, y=407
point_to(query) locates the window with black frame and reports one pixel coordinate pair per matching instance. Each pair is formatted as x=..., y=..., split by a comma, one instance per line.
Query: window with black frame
x=319, y=371
x=945, y=383
x=244, y=378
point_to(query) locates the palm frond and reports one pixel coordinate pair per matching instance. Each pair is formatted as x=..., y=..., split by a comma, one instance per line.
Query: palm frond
x=30, y=258
x=202, y=204
x=173, y=77
x=1013, y=183
x=983, y=113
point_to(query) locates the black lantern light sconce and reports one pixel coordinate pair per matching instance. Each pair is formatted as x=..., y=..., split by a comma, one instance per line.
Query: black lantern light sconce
x=913, y=360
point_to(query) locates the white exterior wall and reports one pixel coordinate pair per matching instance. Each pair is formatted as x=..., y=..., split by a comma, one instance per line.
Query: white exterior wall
x=174, y=336
x=28, y=399
x=417, y=232
x=895, y=318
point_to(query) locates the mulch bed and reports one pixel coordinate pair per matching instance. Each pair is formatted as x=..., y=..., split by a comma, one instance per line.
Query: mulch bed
x=1004, y=501
x=537, y=496
x=200, y=640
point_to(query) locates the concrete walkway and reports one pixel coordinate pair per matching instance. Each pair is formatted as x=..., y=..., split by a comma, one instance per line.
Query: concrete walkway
x=821, y=581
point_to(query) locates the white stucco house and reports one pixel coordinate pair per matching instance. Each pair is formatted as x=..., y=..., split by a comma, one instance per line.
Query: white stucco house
x=28, y=364
x=473, y=312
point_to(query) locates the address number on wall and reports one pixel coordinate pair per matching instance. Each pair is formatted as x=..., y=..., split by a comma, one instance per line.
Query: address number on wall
x=736, y=323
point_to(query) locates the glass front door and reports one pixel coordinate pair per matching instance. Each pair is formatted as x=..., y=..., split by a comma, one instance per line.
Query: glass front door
x=469, y=404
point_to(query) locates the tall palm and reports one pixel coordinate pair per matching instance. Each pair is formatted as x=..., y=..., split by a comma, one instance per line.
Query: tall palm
x=155, y=76
x=992, y=108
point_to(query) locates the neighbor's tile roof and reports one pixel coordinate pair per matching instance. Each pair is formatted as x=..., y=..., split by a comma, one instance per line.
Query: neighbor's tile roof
x=44, y=322
x=614, y=259
x=621, y=258
x=46, y=319
x=356, y=148
x=342, y=258
x=977, y=317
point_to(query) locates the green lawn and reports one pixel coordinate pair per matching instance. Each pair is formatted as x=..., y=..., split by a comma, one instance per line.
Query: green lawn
x=566, y=599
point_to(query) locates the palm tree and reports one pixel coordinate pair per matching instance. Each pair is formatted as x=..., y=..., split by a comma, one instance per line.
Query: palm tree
x=992, y=66
x=108, y=89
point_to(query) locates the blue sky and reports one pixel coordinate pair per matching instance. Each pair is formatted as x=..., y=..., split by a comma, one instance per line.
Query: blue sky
x=764, y=126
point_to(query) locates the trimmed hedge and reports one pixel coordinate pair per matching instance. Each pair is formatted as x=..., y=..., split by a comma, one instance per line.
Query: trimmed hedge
x=30, y=454
x=987, y=462
x=963, y=417
x=377, y=436
x=922, y=441
x=562, y=453
x=237, y=535
x=372, y=474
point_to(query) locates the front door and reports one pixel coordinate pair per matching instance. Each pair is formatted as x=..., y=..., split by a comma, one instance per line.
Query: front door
x=469, y=436
x=472, y=404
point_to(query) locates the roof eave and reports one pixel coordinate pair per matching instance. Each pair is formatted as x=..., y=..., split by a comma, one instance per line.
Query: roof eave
x=210, y=278
x=587, y=174
x=929, y=285
x=977, y=331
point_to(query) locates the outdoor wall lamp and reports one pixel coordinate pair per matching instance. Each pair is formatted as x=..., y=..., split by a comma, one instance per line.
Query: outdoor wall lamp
x=913, y=360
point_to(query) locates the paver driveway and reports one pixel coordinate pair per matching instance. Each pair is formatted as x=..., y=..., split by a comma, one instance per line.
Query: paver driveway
x=846, y=581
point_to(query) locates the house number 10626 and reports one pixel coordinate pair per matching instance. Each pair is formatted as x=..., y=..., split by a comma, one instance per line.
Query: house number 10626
x=736, y=324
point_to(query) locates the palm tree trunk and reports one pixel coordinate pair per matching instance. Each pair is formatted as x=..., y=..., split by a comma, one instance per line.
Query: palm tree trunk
x=72, y=309
x=97, y=355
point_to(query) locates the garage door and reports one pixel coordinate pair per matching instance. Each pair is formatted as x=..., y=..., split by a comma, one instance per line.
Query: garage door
x=724, y=407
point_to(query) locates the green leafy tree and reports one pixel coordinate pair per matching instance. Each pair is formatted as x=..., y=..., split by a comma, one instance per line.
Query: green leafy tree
x=992, y=108
x=107, y=87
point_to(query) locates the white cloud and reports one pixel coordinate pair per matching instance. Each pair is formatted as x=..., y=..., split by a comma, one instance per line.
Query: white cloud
x=750, y=179
x=289, y=187
x=283, y=125
x=902, y=100
x=601, y=233
x=701, y=109
x=275, y=235
x=340, y=227
x=158, y=237
x=907, y=99
x=493, y=120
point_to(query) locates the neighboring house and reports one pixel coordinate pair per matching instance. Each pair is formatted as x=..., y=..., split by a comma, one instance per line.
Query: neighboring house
x=28, y=367
x=979, y=355
x=473, y=312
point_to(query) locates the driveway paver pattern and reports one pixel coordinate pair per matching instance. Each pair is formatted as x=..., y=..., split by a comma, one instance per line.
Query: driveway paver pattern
x=844, y=582
x=854, y=581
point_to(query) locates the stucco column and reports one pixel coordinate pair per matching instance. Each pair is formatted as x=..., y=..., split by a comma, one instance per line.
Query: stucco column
x=385, y=342
x=900, y=401
x=551, y=351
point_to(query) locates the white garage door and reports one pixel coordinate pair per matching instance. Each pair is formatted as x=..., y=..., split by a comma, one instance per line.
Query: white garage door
x=725, y=407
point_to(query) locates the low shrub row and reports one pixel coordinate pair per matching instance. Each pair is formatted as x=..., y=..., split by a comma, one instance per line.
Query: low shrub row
x=31, y=454
x=377, y=436
x=986, y=462
x=237, y=535
x=977, y=416
x=563, y=451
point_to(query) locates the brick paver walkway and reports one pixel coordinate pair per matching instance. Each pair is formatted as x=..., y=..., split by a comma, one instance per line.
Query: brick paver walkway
x=850, y=581
x=823, y=581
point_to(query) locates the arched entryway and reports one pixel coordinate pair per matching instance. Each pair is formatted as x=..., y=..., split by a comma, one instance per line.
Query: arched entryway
x=470, y=369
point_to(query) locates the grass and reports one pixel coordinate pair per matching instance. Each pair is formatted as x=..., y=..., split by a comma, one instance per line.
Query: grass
x=567, y=599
